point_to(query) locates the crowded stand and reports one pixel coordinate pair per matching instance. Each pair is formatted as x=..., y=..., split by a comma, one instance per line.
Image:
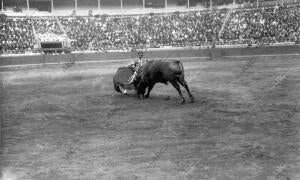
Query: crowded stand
x=20, y=35
x=47, y=30
x=201, y=28
x=16, y=35
x=263, y=26
x=114, y=33
x=46, y=25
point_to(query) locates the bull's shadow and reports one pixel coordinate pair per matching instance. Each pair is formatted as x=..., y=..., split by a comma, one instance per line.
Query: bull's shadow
x=156, y=97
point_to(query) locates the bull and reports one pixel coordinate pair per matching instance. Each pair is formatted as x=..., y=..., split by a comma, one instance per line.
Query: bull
x=161, y=71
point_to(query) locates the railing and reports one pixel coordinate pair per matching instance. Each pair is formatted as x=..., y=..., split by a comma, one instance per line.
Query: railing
x=61, y=27
x=225, y=23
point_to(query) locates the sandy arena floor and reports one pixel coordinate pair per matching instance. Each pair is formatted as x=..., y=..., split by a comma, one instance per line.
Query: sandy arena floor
x=70, y=124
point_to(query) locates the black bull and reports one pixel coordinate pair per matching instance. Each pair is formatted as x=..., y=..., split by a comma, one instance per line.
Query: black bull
x=161, y=71
x=152, y=72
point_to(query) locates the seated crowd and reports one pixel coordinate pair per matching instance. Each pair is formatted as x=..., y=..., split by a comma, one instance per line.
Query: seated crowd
x=146, y=31
x=16, y=35
x=47, y=29
x=19, y=35
x=265, y=26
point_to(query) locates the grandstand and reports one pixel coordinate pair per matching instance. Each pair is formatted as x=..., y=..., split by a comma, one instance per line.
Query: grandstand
x=173, y=25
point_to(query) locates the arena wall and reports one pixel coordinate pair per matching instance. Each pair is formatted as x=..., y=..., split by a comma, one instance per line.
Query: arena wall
x=215, y=53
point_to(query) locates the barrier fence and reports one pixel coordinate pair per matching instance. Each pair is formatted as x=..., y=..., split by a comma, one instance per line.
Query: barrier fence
x=211, y=53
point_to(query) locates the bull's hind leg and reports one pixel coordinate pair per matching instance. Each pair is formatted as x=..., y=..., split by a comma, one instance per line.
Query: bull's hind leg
x=177, y=87
x=184, y=84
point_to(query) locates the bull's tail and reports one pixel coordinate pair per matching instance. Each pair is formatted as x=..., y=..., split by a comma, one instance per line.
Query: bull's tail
x=180, y=66
x=180, y=72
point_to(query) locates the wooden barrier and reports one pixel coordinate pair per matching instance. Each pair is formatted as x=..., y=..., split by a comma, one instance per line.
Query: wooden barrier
x=215, y=53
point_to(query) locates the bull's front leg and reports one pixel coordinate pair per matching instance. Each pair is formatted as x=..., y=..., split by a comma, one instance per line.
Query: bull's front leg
x=140, y=95
x=150, y=87
x=140, y=89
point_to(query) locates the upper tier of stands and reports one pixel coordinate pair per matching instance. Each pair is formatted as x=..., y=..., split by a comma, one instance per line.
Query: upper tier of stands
x=66, y=7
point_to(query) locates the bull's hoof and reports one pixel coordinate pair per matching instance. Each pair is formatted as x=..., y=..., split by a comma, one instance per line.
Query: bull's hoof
x=140, y=96
x=147, y=96
x=192, y=98
x=182, y=101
